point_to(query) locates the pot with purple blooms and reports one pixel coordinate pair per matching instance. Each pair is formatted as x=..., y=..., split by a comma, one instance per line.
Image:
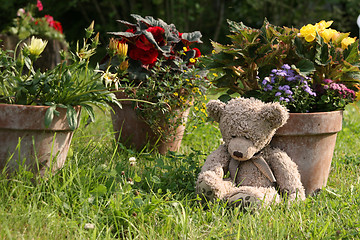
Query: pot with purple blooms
x=313, y=71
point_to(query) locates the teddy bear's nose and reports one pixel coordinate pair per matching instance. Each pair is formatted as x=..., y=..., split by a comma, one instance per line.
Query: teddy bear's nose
x=238, y=154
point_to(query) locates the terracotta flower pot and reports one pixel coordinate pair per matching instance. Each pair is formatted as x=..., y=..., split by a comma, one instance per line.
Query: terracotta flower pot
x=309, y=139
x=134, y=132
x=25, y=139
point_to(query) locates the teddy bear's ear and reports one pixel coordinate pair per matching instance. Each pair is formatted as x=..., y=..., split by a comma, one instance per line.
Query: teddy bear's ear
x=275, y=113
x=215, y=109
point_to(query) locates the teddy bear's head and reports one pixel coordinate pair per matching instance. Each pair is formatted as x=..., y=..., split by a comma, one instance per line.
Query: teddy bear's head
x=247, y=124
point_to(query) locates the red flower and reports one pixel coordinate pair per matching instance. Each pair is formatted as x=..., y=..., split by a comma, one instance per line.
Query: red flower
x=50, y=20
x=198, y=53
x=39, y=5
x=158, y=33
x=57, y=26
x=143, y=43
x=147, y=57
x=54, y=24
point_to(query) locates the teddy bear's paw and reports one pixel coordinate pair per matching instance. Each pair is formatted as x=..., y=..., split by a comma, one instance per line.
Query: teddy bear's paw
x=205, y=191
x=242, y=200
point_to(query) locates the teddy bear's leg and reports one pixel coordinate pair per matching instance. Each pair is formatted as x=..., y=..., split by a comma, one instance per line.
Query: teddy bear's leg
x=247, y=195
x=210, y=186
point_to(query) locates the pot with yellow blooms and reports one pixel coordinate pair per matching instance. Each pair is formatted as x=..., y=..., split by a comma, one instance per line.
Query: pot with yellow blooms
x=39, y=110
x=154, y=70
x=313, y=71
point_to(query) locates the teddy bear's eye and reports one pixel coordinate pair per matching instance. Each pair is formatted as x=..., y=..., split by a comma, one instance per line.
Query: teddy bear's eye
x=233, y=136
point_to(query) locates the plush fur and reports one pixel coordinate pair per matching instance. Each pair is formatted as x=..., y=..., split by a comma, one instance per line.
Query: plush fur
x=247, y=126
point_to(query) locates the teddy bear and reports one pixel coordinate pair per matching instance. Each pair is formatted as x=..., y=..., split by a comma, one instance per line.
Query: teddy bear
x=246, y=169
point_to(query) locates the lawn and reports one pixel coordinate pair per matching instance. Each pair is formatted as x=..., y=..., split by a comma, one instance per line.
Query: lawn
x=100, y=194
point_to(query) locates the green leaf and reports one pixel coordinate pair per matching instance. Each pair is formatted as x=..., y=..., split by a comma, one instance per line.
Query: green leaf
x=299, y=47
x=137, y=178
x=71, y=115
x=192, y=37
x=322, y=56
x=351, y=54
x=224, y=98
x=305, y=66
x=90, y=111
x=49, y=115
x=99, y=190
x=155, y=179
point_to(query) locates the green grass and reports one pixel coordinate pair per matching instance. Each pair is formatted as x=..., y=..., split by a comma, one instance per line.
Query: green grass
x=99, y=195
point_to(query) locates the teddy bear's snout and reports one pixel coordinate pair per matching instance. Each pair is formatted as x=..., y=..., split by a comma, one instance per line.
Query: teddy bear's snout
x=238, y=154
x=241, y=149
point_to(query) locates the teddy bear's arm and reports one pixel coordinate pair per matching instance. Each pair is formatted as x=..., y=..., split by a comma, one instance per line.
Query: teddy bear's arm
x=286, y=173
x=218, y=161
x=210, y=183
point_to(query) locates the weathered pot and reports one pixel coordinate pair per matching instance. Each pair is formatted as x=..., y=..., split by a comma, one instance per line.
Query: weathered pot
x=25, y=139
x=309, y=139
x=134, y=132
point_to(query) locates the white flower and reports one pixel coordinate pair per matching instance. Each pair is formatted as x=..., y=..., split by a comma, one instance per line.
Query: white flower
x=132, y=161
x=36, y=46
x=89, y=226
x=109, y=79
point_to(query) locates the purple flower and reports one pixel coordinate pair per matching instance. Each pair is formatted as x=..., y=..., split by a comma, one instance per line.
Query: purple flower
x=291, y=78
x=268, y=88
x=281, y=98
x=288, y=92
x=277, y=94
x=281, y=73
x=284, y=88
x=309, y=90
x=286, y=67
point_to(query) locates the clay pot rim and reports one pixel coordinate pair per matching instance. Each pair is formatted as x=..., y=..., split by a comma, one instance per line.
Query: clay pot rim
x=317, y=113
x=312, y=123
x=37, y=121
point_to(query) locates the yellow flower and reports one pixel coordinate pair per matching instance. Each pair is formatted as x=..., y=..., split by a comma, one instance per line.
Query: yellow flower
x=116, y=47
x=195, y=90
x=192, y=60
x=122, y=49
x=213, y=51
x=329, y=34
x=346, y=42
x=215, y=75
x=308, y=32
x=176, y=94
x=112, y=44
x=36, y=46
x=185, y=49
x=196, y=108
x=322, y=25
x=124, y=65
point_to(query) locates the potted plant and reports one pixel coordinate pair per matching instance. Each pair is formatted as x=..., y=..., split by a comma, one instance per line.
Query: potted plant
x=28, y=23
x=152, y=62
x=313, y=71
x=39, y=110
